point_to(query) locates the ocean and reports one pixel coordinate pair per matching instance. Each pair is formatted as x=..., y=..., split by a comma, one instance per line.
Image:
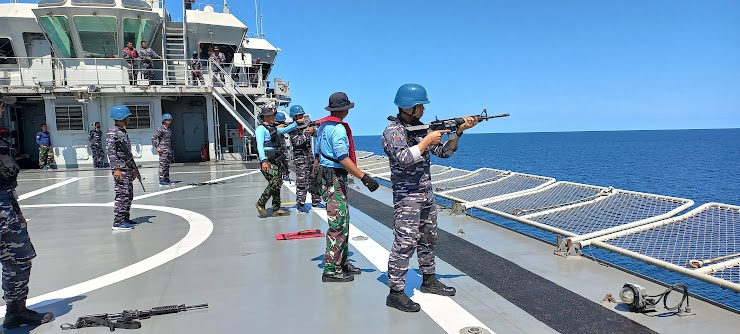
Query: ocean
x=702, y=165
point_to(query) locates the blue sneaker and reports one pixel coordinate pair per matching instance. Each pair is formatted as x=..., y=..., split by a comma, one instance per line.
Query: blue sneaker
x=122, y=227
x=301, y=207
x=165, y=183
x=320, y=206
x=131, y=222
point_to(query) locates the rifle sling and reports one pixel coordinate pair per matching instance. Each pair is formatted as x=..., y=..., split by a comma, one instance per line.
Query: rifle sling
x=102, y=322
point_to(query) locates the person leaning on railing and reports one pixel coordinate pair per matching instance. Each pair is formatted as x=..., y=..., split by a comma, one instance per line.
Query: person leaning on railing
x=147, y=55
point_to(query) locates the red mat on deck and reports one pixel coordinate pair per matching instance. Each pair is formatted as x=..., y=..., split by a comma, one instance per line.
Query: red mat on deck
x=305, y=234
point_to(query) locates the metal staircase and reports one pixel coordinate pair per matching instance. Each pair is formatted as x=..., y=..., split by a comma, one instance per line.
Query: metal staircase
x=176, y=66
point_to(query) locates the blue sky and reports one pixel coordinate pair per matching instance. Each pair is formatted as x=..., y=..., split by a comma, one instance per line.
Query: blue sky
x=566, y=65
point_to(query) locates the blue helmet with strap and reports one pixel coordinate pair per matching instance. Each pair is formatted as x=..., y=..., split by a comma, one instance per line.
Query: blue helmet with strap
x=296, y=110
x=119, y=112
x=409, y=95
x=166, y=117
x=280, y=117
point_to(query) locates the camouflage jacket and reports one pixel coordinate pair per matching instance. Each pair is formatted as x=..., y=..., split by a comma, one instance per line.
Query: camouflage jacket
x=409, y=166
x=162, y=138
x=301, y=142
x=147, y=55
x=95, y=138
x=196, y=65
x=8, y=166
x=119, y=148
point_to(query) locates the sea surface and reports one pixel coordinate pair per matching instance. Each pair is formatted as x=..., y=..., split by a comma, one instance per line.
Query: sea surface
x=702, y=165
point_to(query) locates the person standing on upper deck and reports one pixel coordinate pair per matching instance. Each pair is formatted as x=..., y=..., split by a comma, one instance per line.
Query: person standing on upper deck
x=147, y=56
x=162, y=142
x=271, y=148
x=196, y=70
x=335, y=153
x=16, y=249
x=413, y=198
x=96, y=145
x=131, y=56
x=217, y=61
x=46, y=152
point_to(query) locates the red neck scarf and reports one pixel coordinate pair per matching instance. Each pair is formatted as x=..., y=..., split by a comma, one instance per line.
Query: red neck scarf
x=335, y=119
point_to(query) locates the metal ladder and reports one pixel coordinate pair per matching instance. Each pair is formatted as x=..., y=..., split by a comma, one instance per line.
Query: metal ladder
x=176, y=66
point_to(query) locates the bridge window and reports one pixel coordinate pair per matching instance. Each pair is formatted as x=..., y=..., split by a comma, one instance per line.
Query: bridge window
x=6, y=52
x=137, y=4
x=98, y=36
x=136, y=30
x=106, y=3
x=141, y=117
x=70, y=118
x=57, y=27
x=47, y=3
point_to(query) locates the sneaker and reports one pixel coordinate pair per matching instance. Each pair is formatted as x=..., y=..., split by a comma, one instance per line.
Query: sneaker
x=301, y=207
x=341, y=277
x=350, y=269
x=261, y=210
x=165, y=183
x=399, y=300
x=122, y=226
x=131, y=222
x=432, y=285
x=279, y=212
x=320, y=206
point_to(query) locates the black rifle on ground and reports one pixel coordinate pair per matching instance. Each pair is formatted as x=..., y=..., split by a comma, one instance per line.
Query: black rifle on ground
x=130, y=157
x=448, y=124
x=127, y=318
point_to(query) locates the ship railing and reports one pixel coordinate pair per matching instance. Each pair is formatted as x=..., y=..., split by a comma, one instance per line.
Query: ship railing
x=51, y=72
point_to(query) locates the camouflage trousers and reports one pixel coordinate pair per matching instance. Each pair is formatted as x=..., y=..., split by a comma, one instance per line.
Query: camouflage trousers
x=98, y=154
x=415, y=218
x=124, y=188
x=165, y=159
x=197, y=78
x=46, y=156
x=274, y=177
x=16, y=250
x=216, y=73
x=131, y=69
x=147, y=71
x=334, y=192
x=303, y=166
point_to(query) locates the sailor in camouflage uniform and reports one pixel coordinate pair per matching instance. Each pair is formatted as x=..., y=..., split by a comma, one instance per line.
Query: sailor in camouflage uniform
x=270, y=149
x=162, y=141
x=196, y=70
x=123, y=166
x=217, y=59
x=303, y=161
x=96, y=145
x=16, y=250
x=280, y=122
x=336, y=154
x=147, y=66
x=413, y=198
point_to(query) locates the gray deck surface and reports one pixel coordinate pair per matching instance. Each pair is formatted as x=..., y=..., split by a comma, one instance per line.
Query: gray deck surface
x=256, y=284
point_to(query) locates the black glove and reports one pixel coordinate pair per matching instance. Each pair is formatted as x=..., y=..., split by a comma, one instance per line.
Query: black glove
x=369, y=182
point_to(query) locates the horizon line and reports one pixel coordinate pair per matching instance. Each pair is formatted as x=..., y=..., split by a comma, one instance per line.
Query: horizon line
x=577, y=131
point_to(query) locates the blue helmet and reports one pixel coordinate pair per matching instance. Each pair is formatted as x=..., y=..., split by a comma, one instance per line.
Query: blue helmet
x=119, y=112
x=409, y=95
x=296, y=110
x=280, y=117
x=166, y=117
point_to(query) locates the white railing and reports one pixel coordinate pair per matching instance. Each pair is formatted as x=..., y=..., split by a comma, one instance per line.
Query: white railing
x=59, y=72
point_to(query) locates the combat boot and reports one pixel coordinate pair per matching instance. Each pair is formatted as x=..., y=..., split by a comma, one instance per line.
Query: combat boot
x=341, y=277
x=399, y=300
x=17, y=315
x=432, y=285
x=261, y=210
x=279, y=212
x=350, y=269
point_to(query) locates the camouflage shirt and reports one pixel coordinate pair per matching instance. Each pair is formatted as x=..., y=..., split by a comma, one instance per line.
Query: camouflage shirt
x=118, y=142
x=162, y=138
x=147, y=55
x=409, y=166
x=95, y=138
x=196, y=65
x=8, y=166
x=301, y=142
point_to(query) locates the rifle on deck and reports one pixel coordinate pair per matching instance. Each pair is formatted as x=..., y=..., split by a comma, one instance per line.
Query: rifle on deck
x=127, y=318
x=448, y=124
x=130, y=157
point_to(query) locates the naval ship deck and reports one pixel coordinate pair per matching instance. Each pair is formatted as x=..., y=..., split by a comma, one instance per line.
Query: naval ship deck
x=205, y=244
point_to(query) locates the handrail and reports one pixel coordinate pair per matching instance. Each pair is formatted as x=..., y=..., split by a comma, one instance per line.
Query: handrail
x=232, y=88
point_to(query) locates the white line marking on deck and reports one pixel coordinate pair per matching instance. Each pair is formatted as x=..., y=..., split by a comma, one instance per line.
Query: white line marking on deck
x=200, y=229
x=443, y=310
x=45, y=189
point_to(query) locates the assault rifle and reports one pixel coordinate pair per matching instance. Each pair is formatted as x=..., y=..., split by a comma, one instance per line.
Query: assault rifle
x=130, y=157
x=448, y=124
x=127, y=318
x=307, y=123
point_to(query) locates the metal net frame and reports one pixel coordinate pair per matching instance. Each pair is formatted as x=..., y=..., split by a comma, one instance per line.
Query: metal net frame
x=556, y=195
x=363, y=154
x=450, y=173
x=510, y=184
x=482, y=175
